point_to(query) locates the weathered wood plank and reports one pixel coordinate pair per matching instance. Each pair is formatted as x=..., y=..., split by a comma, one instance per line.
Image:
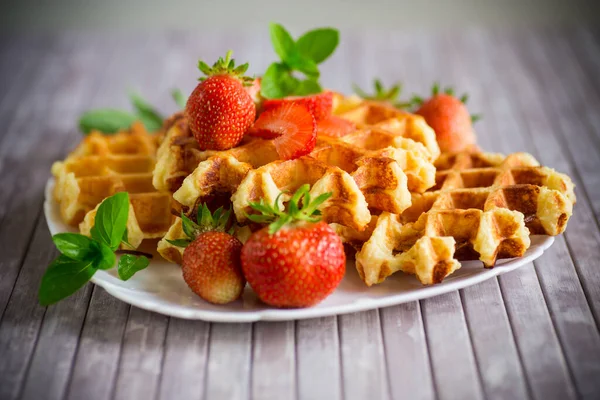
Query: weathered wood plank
x=564, y=294
x=229, y=362
x=52, y=360
x=586, y=49
x=364, y=373
x=185, y=360
x=452, y=360
x=541, y=355
x=25, y=188
x=141, y=355
x=406, y=351
x=570, y=293
x=318, y=359
x=95, y=365
x=582, y=233
x=273, y=361
x=576, y=108
x=21, y=321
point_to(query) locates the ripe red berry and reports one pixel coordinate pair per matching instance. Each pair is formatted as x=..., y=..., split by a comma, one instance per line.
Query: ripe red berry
x=211, y=267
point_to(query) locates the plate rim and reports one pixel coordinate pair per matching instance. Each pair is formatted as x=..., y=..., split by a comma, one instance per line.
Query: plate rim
x=103, y=279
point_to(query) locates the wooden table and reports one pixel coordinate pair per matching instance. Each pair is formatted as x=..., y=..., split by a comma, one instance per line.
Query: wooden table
x=532, y=333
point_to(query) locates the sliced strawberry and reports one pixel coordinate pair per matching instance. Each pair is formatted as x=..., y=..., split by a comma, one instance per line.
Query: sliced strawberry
x=335, y=126
x=320, y=105
x=292, y=127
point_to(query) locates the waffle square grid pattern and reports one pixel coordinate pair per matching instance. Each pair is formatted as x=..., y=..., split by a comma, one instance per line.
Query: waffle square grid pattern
x=400, y=204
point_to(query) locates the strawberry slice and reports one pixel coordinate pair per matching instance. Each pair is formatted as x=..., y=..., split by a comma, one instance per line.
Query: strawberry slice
x=320, y=105
x=335, y=126
x=292, y=128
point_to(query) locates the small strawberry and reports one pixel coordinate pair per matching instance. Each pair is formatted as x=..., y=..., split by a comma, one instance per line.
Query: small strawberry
x=320, y=105
x=297, y=260
x=211, y=259
x=220, y=109
x=449, y=118
x=335, y=126
x=292, y=128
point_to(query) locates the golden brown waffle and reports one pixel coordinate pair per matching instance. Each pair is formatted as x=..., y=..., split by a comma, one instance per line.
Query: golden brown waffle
x=483, y=206
x=103, y=165
x=411, y=128
x=369, y=168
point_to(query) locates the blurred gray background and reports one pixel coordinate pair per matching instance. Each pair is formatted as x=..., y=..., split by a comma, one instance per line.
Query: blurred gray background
x=240, y=14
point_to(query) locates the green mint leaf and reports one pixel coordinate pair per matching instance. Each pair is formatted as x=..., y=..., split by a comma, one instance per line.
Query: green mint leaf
x=277, y=82
x=75, y=246
x=64, y=277
x=179, y=242
x=111, y=220
x=282, y=42
x=307, y=87
x=130, y=264
x=179, y=98
x=151, y=119
x=317, y=45
x=105, y=256
x=125, y=239
x=305, y=65
x=150, y=122
x=106, y=120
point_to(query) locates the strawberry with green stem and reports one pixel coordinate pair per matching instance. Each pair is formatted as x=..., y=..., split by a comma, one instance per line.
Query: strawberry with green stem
x=211, y=259
x=449, y=118
x=221, y=109
x=297, y=260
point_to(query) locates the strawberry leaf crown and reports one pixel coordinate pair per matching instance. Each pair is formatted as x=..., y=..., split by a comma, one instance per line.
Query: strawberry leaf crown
x=226, y=66
x=417, y=101
x=381, y=93
x=277, y=218
x=207, y=222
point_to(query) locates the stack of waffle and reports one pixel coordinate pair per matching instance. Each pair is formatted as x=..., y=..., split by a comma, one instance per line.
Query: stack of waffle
x=483, y=206
x=372, y=170
x=103, y=165
x=395, y=199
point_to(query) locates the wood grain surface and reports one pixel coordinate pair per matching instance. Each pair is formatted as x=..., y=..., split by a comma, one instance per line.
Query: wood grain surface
x=532, y=333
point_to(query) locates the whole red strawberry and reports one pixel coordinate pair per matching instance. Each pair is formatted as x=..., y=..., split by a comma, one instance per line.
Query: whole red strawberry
x=220, y=109
x=211, y=267
x=211, y=263
x=450, y=119
x=297, y=261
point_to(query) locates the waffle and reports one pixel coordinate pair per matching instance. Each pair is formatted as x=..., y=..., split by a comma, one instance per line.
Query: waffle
x=371, y=168
x=482, y=206
x=104, y=165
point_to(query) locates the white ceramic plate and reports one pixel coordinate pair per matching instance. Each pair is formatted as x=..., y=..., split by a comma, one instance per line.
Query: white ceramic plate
x=161, y=288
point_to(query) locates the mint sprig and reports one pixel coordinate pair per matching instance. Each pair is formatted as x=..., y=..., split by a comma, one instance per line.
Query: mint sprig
x=82, y=256
x=111, y=120
x=301, y=56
